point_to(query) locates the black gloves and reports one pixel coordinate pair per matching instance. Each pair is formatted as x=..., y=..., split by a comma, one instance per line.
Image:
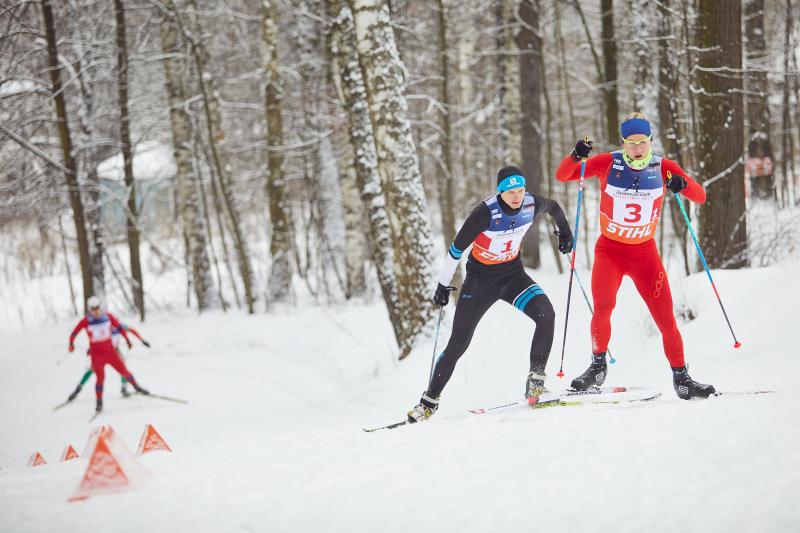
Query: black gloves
x=677, y=183
x=442, y=296
x=565, y=242
x=582, y=149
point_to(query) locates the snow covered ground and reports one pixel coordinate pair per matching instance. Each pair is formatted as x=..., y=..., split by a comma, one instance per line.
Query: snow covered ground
x=272, y=437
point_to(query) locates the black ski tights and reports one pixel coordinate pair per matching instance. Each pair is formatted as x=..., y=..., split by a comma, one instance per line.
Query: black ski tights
x=479, y=292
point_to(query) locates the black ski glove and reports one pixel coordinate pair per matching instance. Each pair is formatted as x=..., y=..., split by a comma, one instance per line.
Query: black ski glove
x=565, y=242
x=677, y=183
x=442, y=296
x=582, y=149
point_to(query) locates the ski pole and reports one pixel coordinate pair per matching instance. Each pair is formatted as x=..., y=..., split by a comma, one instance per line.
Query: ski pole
x=560, y=372
x=736, y=343
x=436, y=338
x=435, y=342
x=61, y=359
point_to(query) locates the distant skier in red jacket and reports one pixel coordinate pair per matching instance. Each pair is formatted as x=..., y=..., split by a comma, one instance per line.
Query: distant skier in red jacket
x=633, y=182
x=99, y=326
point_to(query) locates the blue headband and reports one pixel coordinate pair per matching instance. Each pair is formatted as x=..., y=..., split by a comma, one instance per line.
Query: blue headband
x=633, y=126
x=511, y=182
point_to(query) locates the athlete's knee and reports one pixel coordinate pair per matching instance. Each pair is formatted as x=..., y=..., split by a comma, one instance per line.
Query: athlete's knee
x=541, y=311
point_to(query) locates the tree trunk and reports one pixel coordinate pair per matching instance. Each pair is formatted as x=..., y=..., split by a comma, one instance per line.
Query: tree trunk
x=397, y=164
x=529, y=42
x=759, y=146
x=280, y=275
x=787, y=149
x=331, y=212
x=216, y=145
x=87, y=157
x=71, y=175
x=354, y=100
x=355, y=254
x=610, y=72
x=723, y=229
x=176, y=72
x=127, y=158
x=446, y=192
x=668, y=91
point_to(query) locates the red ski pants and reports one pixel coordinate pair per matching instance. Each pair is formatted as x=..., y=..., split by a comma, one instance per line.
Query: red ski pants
x=101, y=358
x=642, y=264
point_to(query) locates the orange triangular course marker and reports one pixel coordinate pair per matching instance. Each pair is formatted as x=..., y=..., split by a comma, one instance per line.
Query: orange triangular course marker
x=69, y=453
x=106, y=431
x=36, y=459
x=103, y=473
x=151, y=441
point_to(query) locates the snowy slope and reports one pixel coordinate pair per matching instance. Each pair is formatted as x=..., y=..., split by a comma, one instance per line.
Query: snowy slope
x=271, y=439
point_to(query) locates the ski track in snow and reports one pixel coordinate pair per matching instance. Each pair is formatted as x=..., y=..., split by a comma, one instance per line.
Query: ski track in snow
x=271, y=439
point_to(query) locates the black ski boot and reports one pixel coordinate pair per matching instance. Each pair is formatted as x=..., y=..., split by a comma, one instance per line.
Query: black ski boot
x=138, y=389
x=425, y=409
x=687, y=388
x=99, y=406
x=125, y=392
x=534, y=385
x=594, y=375
x=74, y=393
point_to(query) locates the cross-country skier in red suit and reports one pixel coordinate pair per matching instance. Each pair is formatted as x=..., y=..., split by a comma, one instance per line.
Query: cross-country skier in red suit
x=633, y=182
x=99, y=326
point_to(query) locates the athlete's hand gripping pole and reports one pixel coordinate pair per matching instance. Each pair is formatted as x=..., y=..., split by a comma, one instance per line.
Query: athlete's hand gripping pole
x=736, y=343
x=572, y=260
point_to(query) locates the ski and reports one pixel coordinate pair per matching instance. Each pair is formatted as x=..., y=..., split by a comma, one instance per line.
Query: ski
x=742, y=392
x=94, y=416
x=62, y=404
x=567, y=393
x=390, y=426
x=162, y=397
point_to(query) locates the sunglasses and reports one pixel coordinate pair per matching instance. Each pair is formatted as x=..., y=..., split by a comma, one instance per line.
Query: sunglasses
x=633, y=144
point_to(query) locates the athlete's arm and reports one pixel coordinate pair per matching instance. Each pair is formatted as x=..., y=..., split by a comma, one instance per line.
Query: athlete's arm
x=552, y=208
x=82, y=324
x=474, y=225
x=596, y=166
x=693, y=191
x=115, y=323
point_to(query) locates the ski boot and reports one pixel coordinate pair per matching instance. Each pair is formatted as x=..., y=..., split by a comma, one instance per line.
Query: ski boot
x=687, y=388
x=74, y=393
x=594, y=375
x=125, y=392
x=137, y=388
x=427, y=405
x=534, y=385
x=99, y=406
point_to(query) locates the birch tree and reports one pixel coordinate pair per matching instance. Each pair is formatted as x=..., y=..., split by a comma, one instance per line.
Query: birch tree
x=280, y=275
x=176, y=75
x=216, y=144
x=398, y=165
x=354, y=100
x=132, y=217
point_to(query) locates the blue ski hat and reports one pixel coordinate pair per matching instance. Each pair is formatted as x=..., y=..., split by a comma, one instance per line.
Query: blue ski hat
x=510, y=177
x=632, y=126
